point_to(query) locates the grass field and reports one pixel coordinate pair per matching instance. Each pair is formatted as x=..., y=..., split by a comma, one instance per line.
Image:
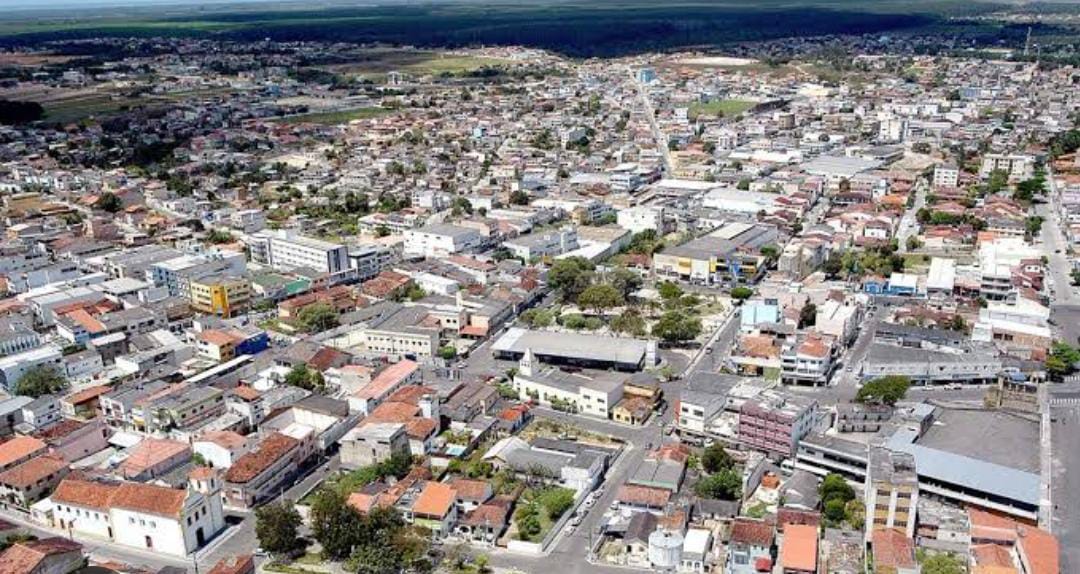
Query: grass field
x=77, y=109
x=376, y=63
x=719, y=108
x=338, y=117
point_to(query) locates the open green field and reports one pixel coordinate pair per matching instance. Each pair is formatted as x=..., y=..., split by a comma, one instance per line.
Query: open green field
x=377, y=62
x=719, y=108
x=78, y=109
x=336, y=117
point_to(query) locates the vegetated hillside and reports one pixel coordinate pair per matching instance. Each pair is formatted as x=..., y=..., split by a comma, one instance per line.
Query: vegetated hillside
x=604, y=28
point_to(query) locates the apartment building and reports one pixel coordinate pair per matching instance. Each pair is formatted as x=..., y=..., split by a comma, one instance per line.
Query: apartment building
x=285, y=250
x=13, y=367
x=946, y=175
x=220, y=295
x=891, y=494
x=440, y=240
x=808, y=361
x=774, y=422
x=1018, y=167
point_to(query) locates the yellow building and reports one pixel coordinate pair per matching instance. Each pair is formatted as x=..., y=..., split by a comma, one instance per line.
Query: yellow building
x=891, y=491
x=220, y=295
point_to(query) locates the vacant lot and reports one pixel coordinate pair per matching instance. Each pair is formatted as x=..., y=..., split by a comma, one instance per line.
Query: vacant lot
x=338, y=117
x=419, y=63
x=720, y=108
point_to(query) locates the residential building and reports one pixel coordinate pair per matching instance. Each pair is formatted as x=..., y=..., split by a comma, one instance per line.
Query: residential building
x=13, y=367
x=440, y=240
x=891, y=492
x=286, y=251
x=220, y=295
x=28, y=482
x=775, y=422
x=263, y=472
x=373, y=443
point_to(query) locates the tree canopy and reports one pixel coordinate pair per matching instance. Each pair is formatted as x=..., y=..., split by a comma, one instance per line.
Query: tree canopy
x=716, y=459
x=317, y=317
x=571, y=276
x=677, y=327
x=885, y=390
x=724, y=485
x=600, y=297
x=40, y=381
x=277, y=528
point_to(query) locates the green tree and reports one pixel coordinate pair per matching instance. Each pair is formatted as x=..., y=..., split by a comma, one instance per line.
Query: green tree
x=218, y=236
x=677, y=327
x=835, y=510
x=942, y=564
x=624, y=281
x=448, y=352
x=518, y=197
x=571, y=276
x=885, y=390
x=807, y=315
x=316, y=318
x=110, y=202
x=303, y=377
x=335, y=525
x=741, y=293
x=834, y=487
x=724, y=485
x=630, y=322
x=716, y=459
x=1060, y=361
x=40, y=381
x=669, y=290
x=277, y=528
x=600, y=297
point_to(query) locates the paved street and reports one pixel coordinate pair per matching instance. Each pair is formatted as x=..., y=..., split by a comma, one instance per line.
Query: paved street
x=1064, y=483
x=909, y=224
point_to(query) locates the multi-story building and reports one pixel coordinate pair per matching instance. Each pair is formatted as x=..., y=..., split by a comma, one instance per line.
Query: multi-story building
x=946, y=175
x=284, y=251
x=369, y=260
x=260, y=473
x=440, y=240
x=891, y=494
x=729, y=254
x=220, y=295
x=17, y=335
x=808, y=361
x=1018, y=167
x=974, y=364
x=774, y=422
x=543, y=244
x=642, y=218
x=32, y=480
x=373, y=443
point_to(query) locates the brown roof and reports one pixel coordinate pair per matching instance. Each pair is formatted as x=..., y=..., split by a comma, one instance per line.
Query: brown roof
x=19, y=448
x=59, y=430
x=31, y=471
x=1040, y=549
x=226, y=439
x=468, y=489
x=152, y=452
x=750, y=531
x=149, y=499
x=242, y=564
x=251, y=464
x=84, y=493
x=799, y=551
x=25, y=557
x=247, y=393
x=892, y=549
x=435, y=500
x=87, y=394
x=487, y=515
x=643, y=495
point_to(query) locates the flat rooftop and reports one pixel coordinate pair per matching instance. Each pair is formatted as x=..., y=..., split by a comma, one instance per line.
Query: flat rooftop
x=572, y=346
x=995, y=437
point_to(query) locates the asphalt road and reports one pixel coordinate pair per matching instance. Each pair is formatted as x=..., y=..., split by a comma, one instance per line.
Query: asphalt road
x=1065, y=483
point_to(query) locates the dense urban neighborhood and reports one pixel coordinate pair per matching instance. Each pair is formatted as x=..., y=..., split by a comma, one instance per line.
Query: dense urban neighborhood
x=325, y=308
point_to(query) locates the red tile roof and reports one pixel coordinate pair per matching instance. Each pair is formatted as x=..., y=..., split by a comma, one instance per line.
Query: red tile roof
x=1040, y=550
x=892, y=549
x=149, y=499
x=253, y=463
x=799, y=551
x=750, y=531
x=643, y=496
x=31, y=471
x=434, y=501
x=83, y=493
x=19, y=448
x=26, y=557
